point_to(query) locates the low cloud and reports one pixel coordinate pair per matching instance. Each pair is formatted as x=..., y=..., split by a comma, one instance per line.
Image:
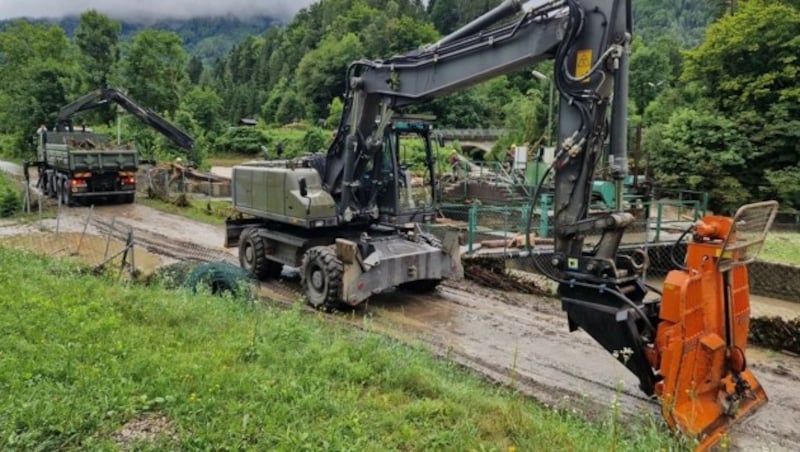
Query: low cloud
x=152, y=9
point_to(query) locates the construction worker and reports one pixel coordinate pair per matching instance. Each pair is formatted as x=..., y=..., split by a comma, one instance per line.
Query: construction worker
x=454, y=164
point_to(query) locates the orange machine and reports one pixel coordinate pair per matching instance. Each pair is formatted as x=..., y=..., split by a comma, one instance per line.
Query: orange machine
x=704, y=320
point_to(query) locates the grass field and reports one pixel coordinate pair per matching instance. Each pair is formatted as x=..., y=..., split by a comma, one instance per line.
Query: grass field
x=782, y=247
x=87, y=363
x=229, y=159
x=212, y=212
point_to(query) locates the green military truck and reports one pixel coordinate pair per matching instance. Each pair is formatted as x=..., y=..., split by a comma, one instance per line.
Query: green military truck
x=75, y=164
x=78, y=165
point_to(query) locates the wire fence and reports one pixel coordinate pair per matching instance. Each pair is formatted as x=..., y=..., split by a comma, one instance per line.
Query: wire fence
x=788, y=220
x=51, y=229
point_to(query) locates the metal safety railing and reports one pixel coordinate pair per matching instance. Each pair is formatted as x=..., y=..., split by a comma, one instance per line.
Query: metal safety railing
x=657, y=221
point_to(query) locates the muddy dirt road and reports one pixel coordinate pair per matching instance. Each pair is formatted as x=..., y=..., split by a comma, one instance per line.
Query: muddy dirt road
x=515, y=339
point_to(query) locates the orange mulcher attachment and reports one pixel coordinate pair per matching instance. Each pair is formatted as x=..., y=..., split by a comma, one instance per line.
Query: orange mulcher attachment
x=704, y=322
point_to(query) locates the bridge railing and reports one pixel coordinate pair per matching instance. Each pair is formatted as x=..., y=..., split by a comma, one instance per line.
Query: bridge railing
x=491, y=134
x=505, y=227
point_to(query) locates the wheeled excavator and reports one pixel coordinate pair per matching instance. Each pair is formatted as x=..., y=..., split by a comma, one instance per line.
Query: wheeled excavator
x=686, y=345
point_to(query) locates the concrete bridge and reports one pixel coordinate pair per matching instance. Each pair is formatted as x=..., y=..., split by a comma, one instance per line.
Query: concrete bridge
x=473, y=141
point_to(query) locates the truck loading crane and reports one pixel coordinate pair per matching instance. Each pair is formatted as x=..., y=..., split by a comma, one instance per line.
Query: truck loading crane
x=78, y=164
x=102, y=97
x=686, y=346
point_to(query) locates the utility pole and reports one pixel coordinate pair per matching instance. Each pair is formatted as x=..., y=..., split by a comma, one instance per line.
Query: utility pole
x=548, y=137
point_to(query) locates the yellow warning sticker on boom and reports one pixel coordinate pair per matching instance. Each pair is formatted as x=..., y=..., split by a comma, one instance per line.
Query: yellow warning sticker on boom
x=583, y=64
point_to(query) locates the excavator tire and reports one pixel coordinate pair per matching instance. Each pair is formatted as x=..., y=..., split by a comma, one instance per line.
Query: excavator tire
x=322, y=277
x=253, y=258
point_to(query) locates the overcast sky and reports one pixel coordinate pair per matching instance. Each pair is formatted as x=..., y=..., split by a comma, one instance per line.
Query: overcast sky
x=149, y=9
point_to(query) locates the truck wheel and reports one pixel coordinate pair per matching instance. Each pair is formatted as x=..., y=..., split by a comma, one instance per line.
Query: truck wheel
x=47, y=188
x=252, y=256
x=59, y=190
x=421, y=286
x=128, y=198
x=66, y=196
x=322, y=277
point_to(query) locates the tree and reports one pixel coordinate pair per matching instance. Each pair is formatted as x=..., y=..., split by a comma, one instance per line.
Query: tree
x=786, y=183
x=321, y=73
x=269, y=108
x=205, y=107
x=749, y=60
x=522, y=116
x=684, y=18
x=290, y=109
x=749, y=67
x=335, y=112
x=96, y=38
x=700, y=150
x=392, y=34
x=36, y=71
x=195, y=69
x=651, y=72
x=154, y=70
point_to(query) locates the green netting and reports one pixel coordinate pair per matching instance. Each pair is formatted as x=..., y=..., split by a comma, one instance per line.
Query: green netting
x=218, y=278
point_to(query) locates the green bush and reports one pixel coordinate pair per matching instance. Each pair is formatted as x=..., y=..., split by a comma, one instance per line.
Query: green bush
x=412, y=154
x=10, y=198
x=314, y=140
x=299, y=139
x=241, y=140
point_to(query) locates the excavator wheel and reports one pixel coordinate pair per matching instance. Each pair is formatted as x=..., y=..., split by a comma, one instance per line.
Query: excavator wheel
x=322, y=277
x=253, y=257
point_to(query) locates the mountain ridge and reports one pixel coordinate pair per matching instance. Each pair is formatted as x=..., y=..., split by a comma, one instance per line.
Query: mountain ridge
x=206, y=37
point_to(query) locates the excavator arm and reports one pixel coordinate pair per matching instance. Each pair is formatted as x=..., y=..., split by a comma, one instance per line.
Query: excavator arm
x=102, y=97
x=465, y=58
x=679, y=346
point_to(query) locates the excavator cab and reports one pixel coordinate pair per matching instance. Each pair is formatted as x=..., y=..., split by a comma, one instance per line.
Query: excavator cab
x=411, y=139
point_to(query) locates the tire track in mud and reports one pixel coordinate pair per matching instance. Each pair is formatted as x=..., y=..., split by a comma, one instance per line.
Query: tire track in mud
x=157, y=243
x=512, y=339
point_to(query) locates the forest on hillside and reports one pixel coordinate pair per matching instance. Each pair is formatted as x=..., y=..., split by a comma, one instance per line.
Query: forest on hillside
x=205, y=37
x=713, y=84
